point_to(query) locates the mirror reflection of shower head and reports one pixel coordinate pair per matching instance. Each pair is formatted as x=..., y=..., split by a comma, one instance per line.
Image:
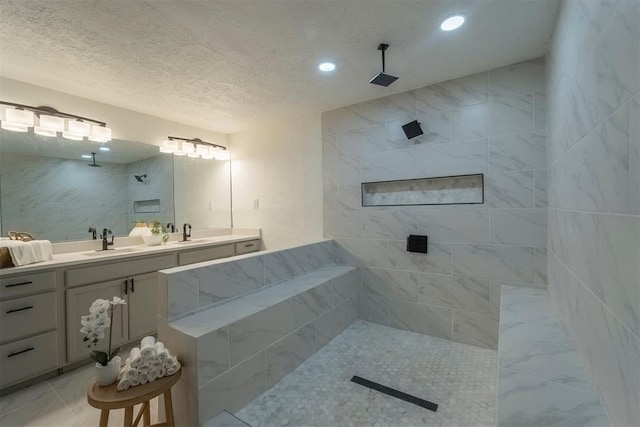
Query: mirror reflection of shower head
x=94, y=164
x=382, y=79
x=140, y=178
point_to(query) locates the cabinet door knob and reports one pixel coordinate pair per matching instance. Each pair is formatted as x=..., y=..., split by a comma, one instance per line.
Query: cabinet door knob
x=126, y=286
x=133, y=289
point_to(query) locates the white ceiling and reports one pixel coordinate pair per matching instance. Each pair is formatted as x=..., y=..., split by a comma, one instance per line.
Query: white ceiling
x=227, y=65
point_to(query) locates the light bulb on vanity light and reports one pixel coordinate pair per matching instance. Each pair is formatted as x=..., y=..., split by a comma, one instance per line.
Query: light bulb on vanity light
x=222, y=155
x=17, y=120
x=49, y=125
x=77, y=130
x=100, y=134
x=169, y=146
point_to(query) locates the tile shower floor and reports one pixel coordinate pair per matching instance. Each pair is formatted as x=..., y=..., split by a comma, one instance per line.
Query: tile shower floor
x=460, y=378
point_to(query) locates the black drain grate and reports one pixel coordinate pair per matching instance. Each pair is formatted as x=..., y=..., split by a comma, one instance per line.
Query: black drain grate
x=396, y=393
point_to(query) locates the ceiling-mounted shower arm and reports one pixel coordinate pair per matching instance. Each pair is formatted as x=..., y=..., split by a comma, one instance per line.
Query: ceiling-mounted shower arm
x=383, y=47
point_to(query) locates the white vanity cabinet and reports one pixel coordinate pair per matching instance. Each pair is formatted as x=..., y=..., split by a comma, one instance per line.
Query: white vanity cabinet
x=28, y=326
x=132, y=321
x=78, y=302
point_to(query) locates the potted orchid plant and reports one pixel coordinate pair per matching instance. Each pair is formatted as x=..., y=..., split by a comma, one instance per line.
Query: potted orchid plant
x=93, y=327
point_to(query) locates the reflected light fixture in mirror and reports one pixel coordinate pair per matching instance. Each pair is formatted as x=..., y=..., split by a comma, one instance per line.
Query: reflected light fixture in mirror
x=194, y=147
x=47, y=121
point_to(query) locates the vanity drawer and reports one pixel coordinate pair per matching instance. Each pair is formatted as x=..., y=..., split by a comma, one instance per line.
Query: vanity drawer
x=26, y=358
x=246, y=247
x=206, y=254
x=118, y=269
x=25, y=316
x=26, y=284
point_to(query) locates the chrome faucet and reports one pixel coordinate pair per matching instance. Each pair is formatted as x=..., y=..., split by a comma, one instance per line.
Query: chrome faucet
x=171, y=227
x=105, y=240
x=185, y=235
x=92, y=230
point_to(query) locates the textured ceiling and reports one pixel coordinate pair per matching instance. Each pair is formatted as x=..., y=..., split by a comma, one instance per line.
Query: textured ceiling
x=226, y=65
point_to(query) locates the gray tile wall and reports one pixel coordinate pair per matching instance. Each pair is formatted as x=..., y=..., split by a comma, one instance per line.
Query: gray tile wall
x=593, y=80
x=492, y=123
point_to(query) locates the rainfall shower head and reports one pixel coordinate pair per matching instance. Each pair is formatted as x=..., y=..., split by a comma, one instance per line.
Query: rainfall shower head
x=382, y=79
x=140, y=178
x=94, y=164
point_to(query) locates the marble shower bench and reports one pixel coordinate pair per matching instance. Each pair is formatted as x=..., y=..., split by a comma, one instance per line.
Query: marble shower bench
x=541, y=381
x=240, y=324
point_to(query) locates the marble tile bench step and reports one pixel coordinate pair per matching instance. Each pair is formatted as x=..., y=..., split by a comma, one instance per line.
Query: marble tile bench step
x=307, y=295
x=541, y=380
x=234, y=350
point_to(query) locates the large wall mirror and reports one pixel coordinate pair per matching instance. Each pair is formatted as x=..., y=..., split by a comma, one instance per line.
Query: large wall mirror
x=53, y=189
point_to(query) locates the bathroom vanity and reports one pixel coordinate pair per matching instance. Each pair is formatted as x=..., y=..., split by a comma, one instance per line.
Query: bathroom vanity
x=41, y=304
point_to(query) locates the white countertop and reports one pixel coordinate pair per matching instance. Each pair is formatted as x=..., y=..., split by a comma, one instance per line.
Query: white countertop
x=131, y=252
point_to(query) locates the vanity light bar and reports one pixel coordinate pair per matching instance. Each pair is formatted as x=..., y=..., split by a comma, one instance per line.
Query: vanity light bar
x=194, y=147
x=48, y=121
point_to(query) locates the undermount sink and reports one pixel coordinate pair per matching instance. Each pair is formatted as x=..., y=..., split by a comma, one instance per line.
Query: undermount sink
x=99, y=252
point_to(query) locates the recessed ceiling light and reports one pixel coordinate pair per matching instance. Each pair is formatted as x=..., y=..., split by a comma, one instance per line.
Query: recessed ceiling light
x=105, y=149
x=452, y=22
x=86, y=156
x=327, y=66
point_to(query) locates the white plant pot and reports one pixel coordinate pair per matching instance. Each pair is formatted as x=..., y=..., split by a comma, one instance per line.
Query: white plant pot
x=152, y=239
x=140, y=229
x=107, y=375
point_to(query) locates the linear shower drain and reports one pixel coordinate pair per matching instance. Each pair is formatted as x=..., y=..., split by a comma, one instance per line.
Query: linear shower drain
x=395, y=393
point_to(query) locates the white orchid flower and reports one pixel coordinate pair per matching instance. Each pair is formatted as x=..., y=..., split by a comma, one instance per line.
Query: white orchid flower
x=117, y=301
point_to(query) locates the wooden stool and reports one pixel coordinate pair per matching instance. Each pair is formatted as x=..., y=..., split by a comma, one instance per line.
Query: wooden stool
x=108, y=398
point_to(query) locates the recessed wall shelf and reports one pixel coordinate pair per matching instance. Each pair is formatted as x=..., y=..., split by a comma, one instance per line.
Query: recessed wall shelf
x=146, y=206
x=442, y=190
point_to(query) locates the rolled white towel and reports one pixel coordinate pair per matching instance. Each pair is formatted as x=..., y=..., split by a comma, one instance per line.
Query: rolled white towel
x=161, y=351
x=156, y=364
x=144, y=368
x=135, y=358
x=162, y=372
x=123, y=384
x=130, y=372
x=153, y=375
x=148, y=348
x=170, y=362
x=134, y=382
x=143, y=377
x=172, y=370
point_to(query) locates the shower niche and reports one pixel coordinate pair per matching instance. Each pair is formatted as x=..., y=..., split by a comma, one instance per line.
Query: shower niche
x=442, y=190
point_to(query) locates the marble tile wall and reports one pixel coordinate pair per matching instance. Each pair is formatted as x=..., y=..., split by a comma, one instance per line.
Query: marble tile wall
x=58, y=199
x=492, y=123
x=186, y=290
x=247, y=352
x=593, y=82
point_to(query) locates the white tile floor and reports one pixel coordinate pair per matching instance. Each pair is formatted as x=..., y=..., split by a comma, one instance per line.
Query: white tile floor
x=58, y=402
x=460, y=378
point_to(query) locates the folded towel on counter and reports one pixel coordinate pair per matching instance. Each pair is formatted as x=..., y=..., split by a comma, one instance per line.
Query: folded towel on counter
x=135, y=358
x=148, y=348
x=24, y=253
